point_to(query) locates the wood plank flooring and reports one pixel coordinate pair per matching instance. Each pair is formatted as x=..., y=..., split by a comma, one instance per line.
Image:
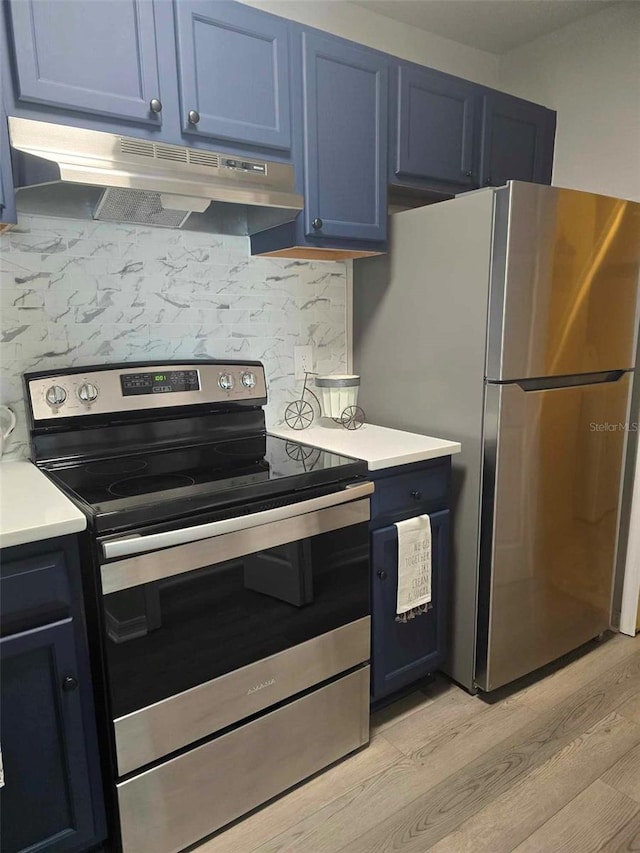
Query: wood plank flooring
x=552, y=765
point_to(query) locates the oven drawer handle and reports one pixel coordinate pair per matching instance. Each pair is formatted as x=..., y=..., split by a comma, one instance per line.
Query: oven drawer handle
x=154, y=541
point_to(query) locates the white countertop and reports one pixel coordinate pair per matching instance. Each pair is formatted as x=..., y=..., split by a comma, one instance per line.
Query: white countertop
x=32, y=508
x=380, y=447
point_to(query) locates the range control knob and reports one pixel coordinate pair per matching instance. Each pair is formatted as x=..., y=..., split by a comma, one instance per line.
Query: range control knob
x=87, y=392
x=249, y=379
x=226, y=381
x=55, y=396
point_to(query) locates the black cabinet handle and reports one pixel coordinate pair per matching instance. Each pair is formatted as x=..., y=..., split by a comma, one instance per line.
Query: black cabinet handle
x=416, y=495
x=469, y=173
x=488, y=181
x=317, y=224
x=382, y=575
x=69, y=683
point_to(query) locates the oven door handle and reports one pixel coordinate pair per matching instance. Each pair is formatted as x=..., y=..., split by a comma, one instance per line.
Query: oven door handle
x=137, y=544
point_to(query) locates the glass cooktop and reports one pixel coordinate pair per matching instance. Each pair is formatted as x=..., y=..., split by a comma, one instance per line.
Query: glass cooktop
x=148, y=487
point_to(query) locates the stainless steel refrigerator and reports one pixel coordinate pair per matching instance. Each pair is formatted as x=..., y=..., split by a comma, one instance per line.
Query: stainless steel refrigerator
x=507, y=319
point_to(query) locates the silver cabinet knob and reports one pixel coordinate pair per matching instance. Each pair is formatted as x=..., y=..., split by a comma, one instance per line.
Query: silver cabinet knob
x=317, y=223
x=194, y=116
x=87, y=392
x=55, y=396
x=155, y=105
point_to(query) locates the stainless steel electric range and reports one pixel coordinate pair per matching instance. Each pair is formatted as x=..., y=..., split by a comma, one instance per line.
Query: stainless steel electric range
x=227, y=589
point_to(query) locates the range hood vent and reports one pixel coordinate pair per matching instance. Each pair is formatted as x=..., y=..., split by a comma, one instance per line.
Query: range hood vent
x=139, y=207
x=72, y=172
x=172, y=153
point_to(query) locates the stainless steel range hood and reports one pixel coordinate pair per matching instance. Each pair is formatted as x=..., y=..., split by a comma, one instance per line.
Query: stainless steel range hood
x=71, y=172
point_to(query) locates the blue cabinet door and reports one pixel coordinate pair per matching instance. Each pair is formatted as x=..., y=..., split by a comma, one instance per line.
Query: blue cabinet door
x=7, y=195
x=233, y=65
x=45, y=803
x=403, y=652
x=434, y=132
x=96, y=56
x=345, y=139
x=517, y=141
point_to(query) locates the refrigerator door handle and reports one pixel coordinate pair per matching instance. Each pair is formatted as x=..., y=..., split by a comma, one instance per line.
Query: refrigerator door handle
x=548, y=383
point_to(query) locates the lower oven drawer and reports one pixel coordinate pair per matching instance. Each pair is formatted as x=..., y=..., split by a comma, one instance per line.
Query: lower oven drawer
x=172, y=806
x=149, y=734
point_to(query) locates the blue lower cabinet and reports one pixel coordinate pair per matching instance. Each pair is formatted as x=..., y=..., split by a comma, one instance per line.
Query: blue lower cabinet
x=517, y=141
x=46, y=800
x=403, y=652
x=52, y=794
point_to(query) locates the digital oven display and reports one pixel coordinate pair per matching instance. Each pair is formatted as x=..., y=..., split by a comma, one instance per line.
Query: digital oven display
x=134, y=384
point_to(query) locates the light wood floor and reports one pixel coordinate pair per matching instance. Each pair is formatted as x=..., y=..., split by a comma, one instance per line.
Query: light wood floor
x=554, y=766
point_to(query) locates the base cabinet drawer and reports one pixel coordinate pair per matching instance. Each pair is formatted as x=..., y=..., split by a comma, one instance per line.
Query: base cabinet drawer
x=174, y=805
x=404, y=495
x=403, y=652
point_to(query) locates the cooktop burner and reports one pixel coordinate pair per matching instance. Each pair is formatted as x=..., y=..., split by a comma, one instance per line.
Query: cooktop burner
x=116, y=467
x=147, y=484
x=153, y=486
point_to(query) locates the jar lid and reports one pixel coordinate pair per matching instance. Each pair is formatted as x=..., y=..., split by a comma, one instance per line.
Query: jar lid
x=338, y=380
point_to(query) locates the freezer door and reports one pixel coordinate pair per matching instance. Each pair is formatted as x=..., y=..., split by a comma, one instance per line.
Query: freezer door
x=551, y=487
x=564, y=283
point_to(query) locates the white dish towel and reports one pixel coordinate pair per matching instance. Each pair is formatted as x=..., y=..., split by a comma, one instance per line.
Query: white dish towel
x=414, y=567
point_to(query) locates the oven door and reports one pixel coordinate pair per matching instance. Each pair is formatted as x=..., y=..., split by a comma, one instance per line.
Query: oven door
x=241, y=614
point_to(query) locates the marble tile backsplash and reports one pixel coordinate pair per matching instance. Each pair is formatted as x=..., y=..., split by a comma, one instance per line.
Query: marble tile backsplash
x=78, y=292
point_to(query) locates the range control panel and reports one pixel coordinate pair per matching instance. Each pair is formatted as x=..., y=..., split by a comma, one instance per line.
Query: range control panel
x=139, y=387
x=150, y=382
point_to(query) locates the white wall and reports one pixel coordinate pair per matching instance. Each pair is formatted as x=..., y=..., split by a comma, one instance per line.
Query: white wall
x=352, y=22
x=588, y=71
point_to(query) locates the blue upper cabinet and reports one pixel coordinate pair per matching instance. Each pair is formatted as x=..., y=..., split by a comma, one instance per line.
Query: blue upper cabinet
x=7, y=195
x=345, y=95
x=233, y=66
x=95, y=56
x=433, y=126
x=517, y=141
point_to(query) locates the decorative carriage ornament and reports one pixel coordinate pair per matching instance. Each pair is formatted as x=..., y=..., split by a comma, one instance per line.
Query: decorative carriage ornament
x=339, y=393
